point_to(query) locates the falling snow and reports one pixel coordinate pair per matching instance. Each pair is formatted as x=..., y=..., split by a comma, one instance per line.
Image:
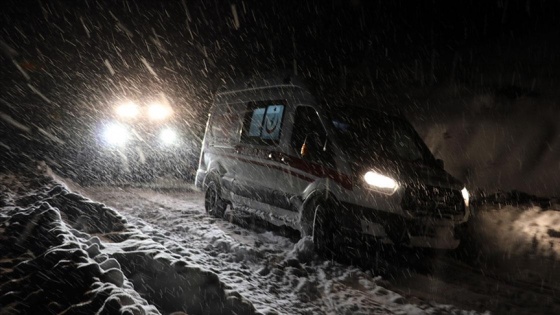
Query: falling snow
x=96, y=228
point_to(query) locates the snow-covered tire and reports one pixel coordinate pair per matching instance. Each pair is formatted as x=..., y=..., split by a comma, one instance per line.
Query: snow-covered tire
x=324, y=230
x=213, y=202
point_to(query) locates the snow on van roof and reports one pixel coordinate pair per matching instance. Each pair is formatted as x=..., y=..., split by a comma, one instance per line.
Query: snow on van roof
x=263, y=80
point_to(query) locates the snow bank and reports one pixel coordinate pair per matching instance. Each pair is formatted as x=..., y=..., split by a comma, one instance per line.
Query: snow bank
x=64, y=253
x=303, y=250
x=515, y=231
x=48, y=266
x=495, y=142
x=520, y=240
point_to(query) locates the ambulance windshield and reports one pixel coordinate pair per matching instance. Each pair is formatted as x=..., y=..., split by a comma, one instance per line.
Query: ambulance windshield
x=364, y=132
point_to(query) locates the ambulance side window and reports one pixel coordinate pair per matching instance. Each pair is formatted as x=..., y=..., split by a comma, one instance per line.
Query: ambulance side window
x=263, y=123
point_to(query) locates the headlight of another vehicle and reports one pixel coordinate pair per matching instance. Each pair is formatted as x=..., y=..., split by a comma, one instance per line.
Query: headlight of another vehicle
x=127, y=110
x=466, y=196
x=157, y=111
x=116, y=134
x=168, y=136
x=380, y=183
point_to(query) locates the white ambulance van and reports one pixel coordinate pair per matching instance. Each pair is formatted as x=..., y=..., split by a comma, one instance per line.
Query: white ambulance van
x=336, y=172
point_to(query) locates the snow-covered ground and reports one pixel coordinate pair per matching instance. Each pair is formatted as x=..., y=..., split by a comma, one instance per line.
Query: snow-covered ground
x=146, y=251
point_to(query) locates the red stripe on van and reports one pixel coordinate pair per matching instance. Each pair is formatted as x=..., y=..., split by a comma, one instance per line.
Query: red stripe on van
x=314, y=169
x=320, y=171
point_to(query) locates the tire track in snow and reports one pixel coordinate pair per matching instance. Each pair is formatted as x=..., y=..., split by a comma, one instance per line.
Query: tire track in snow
x=456, y=283
x=182, y=226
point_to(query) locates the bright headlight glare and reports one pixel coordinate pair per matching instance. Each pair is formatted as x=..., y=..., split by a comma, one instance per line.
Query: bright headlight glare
x=466, y=196
x=380, y=182
x=158, y=111
x=116, y=134
x=168, y=136
x=127, y=110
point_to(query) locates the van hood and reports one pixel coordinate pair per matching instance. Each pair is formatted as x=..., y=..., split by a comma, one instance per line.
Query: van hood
x=408, y=172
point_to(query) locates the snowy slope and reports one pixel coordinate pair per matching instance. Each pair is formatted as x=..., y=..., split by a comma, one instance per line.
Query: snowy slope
x=63, y=253
x=496, y=144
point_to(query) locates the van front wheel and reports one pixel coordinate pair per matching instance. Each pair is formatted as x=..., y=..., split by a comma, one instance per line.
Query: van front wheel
x=213, y=203
x=324, y=230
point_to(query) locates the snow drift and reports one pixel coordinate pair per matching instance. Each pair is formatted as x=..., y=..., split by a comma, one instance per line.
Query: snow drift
x=63, y=253
x=519, y=242
x=495, y=142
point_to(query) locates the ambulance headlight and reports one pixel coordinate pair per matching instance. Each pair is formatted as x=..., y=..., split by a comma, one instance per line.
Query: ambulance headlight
x=466, y=196
x=116, y=134
x=168, y=136
x=380, y=183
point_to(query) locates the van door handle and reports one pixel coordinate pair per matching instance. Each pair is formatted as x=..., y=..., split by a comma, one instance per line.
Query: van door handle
x=286, y=160
x=278, y=157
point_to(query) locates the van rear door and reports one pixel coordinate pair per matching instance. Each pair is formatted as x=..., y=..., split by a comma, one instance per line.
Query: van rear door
x=221, y=139
x=260, y=136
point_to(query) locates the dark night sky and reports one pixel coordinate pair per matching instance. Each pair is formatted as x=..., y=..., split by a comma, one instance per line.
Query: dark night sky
x=379, y=51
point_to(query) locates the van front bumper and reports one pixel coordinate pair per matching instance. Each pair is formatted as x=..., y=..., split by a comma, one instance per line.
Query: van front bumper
x=364, y=224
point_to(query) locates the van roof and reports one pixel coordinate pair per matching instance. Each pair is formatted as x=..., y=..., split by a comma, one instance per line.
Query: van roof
x=263, y=81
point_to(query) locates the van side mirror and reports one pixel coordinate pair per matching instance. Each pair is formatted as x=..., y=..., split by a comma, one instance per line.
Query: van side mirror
x=313, y=146
x=440, y=164
x=304, y=151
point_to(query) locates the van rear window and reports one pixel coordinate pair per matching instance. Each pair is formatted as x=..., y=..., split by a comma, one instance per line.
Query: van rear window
x=225, y=124
x=263, y=123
